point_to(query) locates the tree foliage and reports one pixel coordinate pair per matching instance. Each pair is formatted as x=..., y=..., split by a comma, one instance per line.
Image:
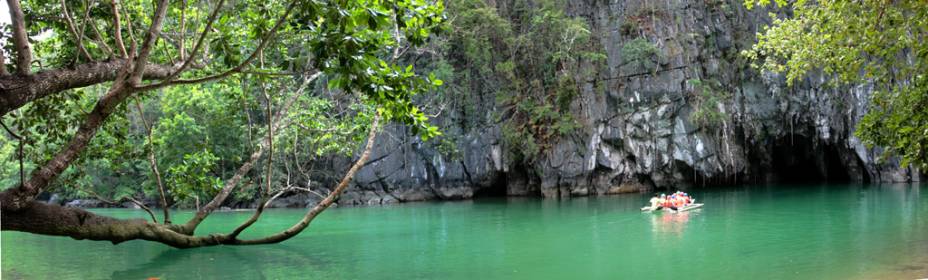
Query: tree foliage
x=211, y=82
x=875, y=43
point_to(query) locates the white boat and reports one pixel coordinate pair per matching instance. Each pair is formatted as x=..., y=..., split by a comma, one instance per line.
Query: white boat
x=683, y=209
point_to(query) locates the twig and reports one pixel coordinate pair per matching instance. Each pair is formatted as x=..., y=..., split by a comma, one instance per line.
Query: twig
x=130, y=198
x=193, y=53
x=117, y=27
x=22, y=174
x=70, y=23
x=152, y=162
x=183, y=28
x=270, y=130
x=99, y=39
x=264, y=41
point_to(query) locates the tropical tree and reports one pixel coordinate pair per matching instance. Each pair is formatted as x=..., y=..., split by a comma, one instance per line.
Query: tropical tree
x=870, y=42
x=132, y=49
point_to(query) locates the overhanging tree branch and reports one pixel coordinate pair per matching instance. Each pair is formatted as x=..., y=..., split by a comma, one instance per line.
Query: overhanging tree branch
x=21, y=212
x=18, y=90
x=49, y=219
x=233, y=182
x=322, y=205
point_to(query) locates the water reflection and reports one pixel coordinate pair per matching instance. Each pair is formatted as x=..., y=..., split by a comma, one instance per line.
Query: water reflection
x=214, y=262
x=670, y=223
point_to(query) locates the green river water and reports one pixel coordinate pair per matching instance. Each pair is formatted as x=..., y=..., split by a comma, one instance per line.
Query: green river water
x=767, y=232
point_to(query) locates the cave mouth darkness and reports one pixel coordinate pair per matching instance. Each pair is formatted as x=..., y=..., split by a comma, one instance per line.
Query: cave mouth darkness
x=793, y=160
x=802, y=159
x=497, y=188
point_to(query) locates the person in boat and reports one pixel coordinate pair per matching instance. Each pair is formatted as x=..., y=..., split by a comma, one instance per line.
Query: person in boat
x=678, y=201
x=689, y=199
x=668, y=203
x=655, y=202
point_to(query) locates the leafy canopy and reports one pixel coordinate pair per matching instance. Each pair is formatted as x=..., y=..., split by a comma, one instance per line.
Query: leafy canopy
x=871, y=42
x=202, y=132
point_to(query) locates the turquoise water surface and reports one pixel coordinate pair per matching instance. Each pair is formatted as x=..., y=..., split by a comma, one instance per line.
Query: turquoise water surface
x=766, y=232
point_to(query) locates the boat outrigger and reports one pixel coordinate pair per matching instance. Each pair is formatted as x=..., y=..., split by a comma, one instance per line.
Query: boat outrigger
x=682, y=209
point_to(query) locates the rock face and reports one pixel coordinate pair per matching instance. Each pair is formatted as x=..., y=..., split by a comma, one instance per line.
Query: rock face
x=637, y=128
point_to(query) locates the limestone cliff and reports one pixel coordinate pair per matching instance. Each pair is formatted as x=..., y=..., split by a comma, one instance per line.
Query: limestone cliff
x=636, y=122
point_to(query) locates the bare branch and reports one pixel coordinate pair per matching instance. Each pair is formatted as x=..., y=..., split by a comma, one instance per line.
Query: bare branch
x=150, y=38
x=154, y=163
x=84, y=20
x=183, y=28
x=325, y=203
x=20, y=38
x=144, y=207
x=129, y=27
x=132, y=199
x=266, y=73
x=270, y=132
x=233, y=182
x=117, y=27
x=254, y=217
x=99, y=38
x=197, y=46
x=70, y=23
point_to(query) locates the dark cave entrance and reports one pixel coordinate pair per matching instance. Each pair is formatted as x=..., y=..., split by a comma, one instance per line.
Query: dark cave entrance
x=497, y=188
x=802, y=159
